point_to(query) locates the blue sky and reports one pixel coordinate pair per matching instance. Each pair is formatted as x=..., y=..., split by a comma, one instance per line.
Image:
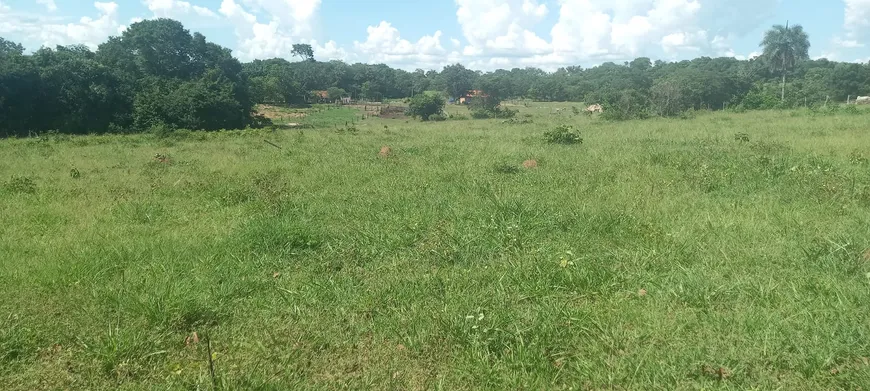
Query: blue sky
x=483, y=34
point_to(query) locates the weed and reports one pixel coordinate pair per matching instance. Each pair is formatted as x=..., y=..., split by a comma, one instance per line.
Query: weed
x=563, y=134
x=857, y=158
x=742, y=137
x=515, y=121
x=350, y=129
x=20, y=184
x=505, y=168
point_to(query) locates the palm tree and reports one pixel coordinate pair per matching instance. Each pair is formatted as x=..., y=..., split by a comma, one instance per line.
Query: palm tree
x=784, y=46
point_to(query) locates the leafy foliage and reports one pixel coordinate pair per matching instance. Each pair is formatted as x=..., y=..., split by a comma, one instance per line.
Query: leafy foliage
x=157, y=72
x=425, y=106
x=563, y=134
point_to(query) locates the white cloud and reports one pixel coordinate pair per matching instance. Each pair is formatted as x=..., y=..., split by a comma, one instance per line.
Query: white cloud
x=384, y=44
x=501, y=27
x=48, y=4
x=176, y=9
x=495, y=33
x=532, y=8
x=289, y=22
x=857, y=18
x=87, y=31
x=847, y=43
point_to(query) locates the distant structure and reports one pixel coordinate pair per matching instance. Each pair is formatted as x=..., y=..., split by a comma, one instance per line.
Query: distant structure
x=320, y=96
x=463, y=100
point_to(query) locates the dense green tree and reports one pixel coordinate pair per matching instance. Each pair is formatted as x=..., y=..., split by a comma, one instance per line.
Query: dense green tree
x=303, y=51
x=158, y=73
x=425, y=106
x=335, y=93
x=457, y=79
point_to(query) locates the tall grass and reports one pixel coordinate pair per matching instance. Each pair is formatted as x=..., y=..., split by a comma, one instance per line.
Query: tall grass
x=659, y=254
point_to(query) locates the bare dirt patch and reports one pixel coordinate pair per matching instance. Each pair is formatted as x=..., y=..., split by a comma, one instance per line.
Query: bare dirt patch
x=278, y=113
x=392, y=112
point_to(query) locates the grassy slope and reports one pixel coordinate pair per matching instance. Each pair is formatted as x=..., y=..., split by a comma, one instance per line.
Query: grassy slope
x=323, y=266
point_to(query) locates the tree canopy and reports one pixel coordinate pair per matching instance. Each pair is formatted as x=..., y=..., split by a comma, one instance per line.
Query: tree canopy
x=784, y=46
x=159, y=73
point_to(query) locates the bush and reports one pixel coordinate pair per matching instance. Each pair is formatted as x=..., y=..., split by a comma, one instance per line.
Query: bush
x=563, y=134
x=425, y=106
x=457, y=117
x=161, y=130
x=480, y=114
x=688, y=114
x=496, y=112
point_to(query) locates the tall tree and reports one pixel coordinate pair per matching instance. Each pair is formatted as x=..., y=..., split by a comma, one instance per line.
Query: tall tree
x=304, y=51
x=784, y=46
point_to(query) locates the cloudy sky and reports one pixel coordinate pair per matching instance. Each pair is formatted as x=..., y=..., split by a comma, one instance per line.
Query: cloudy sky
x=482, y=34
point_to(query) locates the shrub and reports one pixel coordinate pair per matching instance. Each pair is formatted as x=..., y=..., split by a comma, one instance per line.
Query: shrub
x=496, y=112
x=851, y=109
x=161, y=130
x=457, y=117
x=437, y=117
x=480, y=114
x=563, y=134
x=688, y=114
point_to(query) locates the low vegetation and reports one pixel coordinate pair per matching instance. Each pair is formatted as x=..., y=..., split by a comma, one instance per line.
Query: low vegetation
x=728, y=251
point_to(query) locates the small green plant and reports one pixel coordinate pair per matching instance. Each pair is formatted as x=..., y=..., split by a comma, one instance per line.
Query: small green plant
x=563, y=134
x=575, y=110
x=437, y=117
x=742, y=137
x=74, y=173
x=20, y=185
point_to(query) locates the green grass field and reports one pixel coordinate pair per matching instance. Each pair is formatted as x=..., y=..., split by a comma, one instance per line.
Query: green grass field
x=728, y=251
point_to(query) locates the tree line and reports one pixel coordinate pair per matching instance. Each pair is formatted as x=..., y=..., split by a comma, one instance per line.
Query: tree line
x=158, y=74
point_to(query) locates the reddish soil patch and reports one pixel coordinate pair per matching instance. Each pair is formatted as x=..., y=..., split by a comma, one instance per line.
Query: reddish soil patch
x=531, y=163
x=385, y=151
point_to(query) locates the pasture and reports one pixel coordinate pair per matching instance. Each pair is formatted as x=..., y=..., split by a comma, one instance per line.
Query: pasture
x=725, y=251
